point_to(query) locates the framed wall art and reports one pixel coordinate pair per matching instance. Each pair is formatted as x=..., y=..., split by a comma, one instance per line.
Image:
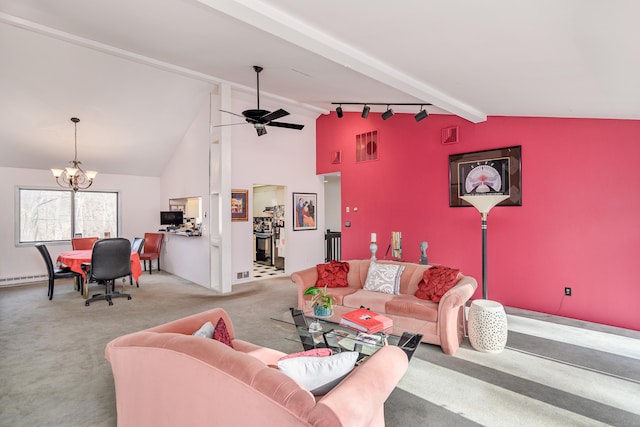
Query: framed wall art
x=489, y=172
x=305, y=211
x=239, y=205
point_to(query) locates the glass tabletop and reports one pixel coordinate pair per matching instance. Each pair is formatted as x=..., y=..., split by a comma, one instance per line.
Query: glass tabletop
x=327, y=333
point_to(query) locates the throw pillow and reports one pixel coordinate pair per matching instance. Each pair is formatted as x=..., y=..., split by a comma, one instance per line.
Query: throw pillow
x=205, y=331
x=319, y=374
x=384, y=278
x=332, y=274
x=314, y=352
x=220, y=333
x=436, y=281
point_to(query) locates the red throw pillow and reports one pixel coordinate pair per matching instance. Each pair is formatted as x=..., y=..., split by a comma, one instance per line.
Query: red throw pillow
x=314, y=352
x=220, y=333
x=332, y=274
x=436, y=281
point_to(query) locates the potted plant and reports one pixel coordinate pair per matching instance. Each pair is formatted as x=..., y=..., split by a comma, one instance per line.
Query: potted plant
x=321, y=302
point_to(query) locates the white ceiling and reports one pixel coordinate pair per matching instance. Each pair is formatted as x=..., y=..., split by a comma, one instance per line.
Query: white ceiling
x=136, y=72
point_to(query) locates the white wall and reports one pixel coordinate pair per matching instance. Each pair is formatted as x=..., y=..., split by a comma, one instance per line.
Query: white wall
x=267, y=196
x=139, y=207
x=187, y=175
x=282, y=157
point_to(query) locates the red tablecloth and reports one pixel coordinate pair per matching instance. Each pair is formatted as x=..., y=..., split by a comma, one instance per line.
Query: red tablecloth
x=74, y=260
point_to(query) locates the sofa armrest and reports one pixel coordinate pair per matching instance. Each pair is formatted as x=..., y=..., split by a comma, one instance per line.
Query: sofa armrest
x=303, y=279
x=359, y=399
x=449, y=310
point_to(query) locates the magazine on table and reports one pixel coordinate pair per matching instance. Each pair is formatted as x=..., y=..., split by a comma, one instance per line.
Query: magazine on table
x=366, y=320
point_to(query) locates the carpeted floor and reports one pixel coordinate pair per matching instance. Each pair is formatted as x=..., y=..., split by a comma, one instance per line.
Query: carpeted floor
x=554, y=371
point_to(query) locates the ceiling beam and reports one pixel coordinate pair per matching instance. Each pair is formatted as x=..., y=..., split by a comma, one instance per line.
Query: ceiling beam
x=273, y=21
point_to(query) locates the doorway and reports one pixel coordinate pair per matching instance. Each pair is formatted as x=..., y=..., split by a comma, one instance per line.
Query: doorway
x=269, y=235
x=333, y=215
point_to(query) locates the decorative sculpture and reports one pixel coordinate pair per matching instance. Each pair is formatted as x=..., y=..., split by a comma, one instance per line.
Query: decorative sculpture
x=423, y=253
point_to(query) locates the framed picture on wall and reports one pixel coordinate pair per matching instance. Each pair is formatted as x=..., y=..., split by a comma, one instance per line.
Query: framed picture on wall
x=489, y=172
x=305, y=211
x=239, y=205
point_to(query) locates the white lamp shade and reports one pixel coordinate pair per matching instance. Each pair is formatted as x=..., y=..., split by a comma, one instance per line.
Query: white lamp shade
x=91, y=175
x=57, y=172
x=484, y=203
x=72, y=171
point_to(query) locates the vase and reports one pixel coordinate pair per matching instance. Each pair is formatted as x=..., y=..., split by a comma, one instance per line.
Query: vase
x=320, y=311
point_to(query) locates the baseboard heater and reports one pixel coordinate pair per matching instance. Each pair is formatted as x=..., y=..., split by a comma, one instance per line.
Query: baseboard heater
x=10, y=281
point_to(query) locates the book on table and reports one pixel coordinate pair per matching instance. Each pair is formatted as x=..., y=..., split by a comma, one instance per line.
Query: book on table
x=366, y=321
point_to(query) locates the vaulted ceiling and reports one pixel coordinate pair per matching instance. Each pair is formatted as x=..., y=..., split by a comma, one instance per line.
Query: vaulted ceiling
x=136, y=72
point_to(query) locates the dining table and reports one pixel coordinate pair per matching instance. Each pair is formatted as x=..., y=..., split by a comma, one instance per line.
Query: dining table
x=75, y=259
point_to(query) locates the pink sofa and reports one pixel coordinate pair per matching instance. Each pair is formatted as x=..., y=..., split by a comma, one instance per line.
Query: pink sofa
x=166, y=377
x=439, y=323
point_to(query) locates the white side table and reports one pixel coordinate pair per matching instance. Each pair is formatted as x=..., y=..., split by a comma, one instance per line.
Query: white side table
x=487, y=326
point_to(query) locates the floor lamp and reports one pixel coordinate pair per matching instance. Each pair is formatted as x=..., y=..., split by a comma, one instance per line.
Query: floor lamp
x=484, y=204
x=487, y=319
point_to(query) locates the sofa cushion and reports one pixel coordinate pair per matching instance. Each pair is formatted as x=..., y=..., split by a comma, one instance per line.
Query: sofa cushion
x=221, y=334
x=338, y=294
x=332, y=274
x=374, y=301
x=436, y=282
x=205, y=331
x=411, y=306
x=383, y=278
x=319, y=374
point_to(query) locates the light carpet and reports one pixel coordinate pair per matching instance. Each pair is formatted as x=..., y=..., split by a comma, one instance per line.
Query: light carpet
x=554, y=371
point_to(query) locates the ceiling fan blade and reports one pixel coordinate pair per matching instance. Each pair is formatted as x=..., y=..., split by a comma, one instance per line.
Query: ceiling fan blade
x=275, y=115
x=285, y=125
x=229, y=124
x=229, y=112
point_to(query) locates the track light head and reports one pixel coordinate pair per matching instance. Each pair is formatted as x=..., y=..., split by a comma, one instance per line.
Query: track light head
x=387, y=113
x=421, y=115
x=365, y=111
x=339, y=112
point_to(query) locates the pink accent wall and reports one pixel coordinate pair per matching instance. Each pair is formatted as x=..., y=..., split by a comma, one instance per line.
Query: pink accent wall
x=578, y=225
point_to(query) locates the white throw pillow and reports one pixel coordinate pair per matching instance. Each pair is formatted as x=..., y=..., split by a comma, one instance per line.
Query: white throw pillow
x=319, y=374
x=384, y=278
x=205, y=331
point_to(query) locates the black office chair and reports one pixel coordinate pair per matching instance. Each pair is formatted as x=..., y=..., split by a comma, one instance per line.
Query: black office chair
x=56, y=273
x=110, y=260
x=136, y=245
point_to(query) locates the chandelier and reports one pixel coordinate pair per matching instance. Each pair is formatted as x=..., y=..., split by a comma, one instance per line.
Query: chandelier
x=74, y=177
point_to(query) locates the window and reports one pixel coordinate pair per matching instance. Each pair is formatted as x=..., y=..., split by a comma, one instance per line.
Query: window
x=58, y=215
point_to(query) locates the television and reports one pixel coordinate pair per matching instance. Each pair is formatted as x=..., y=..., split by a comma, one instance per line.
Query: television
x=171, y=218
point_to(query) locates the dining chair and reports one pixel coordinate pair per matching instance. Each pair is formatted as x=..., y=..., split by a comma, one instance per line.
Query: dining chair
x=83, y=243
x=56, y=273
x=136, y=245
x=151, y=251
x=110, y=260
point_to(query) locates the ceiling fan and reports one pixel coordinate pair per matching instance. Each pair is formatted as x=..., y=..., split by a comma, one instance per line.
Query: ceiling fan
x=261, y=118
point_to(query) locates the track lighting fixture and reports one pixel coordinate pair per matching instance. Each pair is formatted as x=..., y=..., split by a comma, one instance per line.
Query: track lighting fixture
x=387, y=113
x=421, y=115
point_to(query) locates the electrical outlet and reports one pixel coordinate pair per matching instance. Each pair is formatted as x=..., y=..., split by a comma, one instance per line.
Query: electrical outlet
x=245, y=274
x=239, y=275
x=567, y=291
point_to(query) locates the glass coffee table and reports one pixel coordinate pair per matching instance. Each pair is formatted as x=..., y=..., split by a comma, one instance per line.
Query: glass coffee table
x=313, y=332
